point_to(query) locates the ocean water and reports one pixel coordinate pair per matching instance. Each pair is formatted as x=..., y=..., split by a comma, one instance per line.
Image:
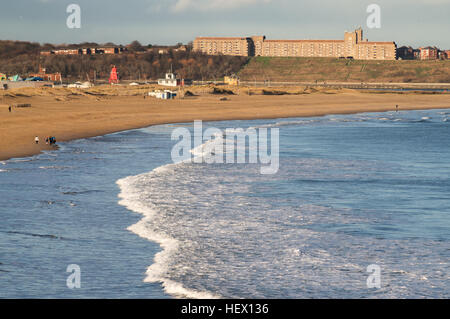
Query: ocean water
x=351, y=191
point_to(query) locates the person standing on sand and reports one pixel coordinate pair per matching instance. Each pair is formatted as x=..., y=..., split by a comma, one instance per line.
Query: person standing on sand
x=396, y=108
x=36, y=140
x=9, y=108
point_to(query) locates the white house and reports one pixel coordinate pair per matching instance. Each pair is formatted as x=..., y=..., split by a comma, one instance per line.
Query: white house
x=170, y=80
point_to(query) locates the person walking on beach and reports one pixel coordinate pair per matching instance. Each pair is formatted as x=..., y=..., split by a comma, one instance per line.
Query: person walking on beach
x=36, y=140
x=9, y=109
x=396, y=108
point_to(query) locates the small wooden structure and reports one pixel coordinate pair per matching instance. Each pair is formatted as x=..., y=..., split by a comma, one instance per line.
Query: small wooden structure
x=232, y=80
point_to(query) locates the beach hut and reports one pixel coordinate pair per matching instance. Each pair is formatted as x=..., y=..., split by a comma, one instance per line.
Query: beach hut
x=164, y=95
x=231, y=80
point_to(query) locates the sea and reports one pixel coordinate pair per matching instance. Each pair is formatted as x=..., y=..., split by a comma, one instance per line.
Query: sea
x=359, y=208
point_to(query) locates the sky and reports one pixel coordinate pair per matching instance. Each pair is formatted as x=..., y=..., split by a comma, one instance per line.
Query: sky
x=407, y=22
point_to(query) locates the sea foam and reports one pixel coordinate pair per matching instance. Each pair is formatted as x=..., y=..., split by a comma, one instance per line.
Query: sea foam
x=131, y=198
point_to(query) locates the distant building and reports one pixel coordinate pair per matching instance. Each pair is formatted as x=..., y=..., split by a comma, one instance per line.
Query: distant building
x=405, y=53
x=181, y=49
x=68, y=52
x=62, y=52
x=171, y=80
x=416, y=54
x=112, y=50
x=225, y=46
x=85, y=51
x=353, y=46
x=164, y=95
x=442, y=55
x=447, y=53
x=429, y=53
x=231, y=80
x=52, y=77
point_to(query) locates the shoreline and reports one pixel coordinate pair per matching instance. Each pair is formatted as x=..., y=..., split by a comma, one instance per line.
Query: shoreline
x=77, y=116
x=146, y=258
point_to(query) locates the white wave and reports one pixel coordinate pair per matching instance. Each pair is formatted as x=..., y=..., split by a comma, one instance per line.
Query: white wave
x=130, y=198
x=177, y=290
x=179, y=220
x=50, y=153
x=166, y=168
x=3, y=170
x=205, y=151
x=284, y=123
x=22, y=160
x=310, y=121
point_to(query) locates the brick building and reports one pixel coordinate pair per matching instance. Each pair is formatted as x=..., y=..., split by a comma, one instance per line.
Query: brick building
x=53, y=77
x=429, y=53
x=443, y=55
x=225, y=46
x=447, y=53
x=68, y=52
x=353, y=46
x=85, y=51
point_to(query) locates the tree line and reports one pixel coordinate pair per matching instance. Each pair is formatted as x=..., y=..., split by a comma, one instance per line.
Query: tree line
x=139, y=62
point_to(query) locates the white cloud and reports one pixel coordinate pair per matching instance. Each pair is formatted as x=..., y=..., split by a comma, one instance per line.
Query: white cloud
x=205, y=5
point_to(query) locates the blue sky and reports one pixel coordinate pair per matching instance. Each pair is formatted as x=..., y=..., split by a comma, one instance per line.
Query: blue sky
x=412, y=22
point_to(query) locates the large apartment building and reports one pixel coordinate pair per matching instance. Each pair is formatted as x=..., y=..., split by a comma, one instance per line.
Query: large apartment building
x=353, y=45
x=225, y=46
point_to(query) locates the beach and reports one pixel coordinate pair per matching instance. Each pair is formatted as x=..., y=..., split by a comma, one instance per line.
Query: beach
x=74, y=114
x=351, y=191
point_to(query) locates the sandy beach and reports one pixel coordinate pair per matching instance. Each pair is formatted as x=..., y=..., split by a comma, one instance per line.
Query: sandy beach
x=74, y=114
